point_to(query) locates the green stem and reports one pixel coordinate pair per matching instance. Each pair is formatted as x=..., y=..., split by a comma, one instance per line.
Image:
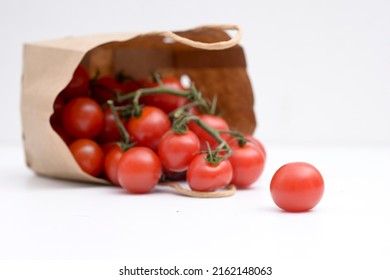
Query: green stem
x=238, y=135
x=216, y=136
x=148, y=91
x=157, y=78
x=179, y=111
x=179, y=124
x=124, y=135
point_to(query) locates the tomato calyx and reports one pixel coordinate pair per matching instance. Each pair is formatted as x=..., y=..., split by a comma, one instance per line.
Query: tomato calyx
x=238, y=136
x=179, y=124
x=222, y=151
x=126, y=142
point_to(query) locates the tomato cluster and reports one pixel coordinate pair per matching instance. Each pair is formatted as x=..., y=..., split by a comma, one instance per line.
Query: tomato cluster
x=136, y=133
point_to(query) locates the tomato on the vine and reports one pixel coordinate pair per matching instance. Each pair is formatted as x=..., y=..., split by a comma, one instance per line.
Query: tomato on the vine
x=204, y=176
x=139, y=170
x=82, y=117
x=164, y=101
x=177, y=150
x=88, y=155
x=78, y=85
x=247, y=163
x=214, y=122
x=148, y=128
x=297, y=187
x=111, y=162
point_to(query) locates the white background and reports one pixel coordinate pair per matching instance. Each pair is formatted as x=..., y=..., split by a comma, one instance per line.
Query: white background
x=321, y=76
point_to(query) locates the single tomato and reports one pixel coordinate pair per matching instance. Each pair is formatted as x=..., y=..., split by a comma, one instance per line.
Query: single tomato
x=139, y=170
x=88, y=155
x=148, y=128
x=297, y=187
x=82, y=117
x=204, y=176
x=177, y=150
x=247, y=163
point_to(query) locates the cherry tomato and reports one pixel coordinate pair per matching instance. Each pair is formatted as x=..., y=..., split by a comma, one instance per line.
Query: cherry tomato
x=164, y=101
x=139, y=170
x=177, y=150
x=297, y=187
x=82, y=117
x=105, y=87
x=78, y=85
x=110, y=131
x=203, y=176
x=148, y=128
x=111, y=162
x=88, y=155
x=247, y=163
x=204, y=137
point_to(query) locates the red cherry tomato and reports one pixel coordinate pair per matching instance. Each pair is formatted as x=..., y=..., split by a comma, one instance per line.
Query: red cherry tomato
x=247, y=163
x=78, y=86
x=164, y=101
x=148, y=128
x=110, y=131
x=105, y=87
x=177, y=150
x=297, y=187
x=139, y=170
x=88, y=155
x=204, y=137
x=203, y=176
x=82, y=117
x=111, y=162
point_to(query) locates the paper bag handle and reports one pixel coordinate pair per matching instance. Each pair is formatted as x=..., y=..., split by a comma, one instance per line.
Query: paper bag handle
x=208, y=46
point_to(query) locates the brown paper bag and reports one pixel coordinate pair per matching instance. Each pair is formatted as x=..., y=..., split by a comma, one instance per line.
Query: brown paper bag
x=212, y=59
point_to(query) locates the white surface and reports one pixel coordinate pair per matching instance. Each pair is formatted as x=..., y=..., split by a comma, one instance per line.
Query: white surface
x=50, y=219
x=320, y=69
